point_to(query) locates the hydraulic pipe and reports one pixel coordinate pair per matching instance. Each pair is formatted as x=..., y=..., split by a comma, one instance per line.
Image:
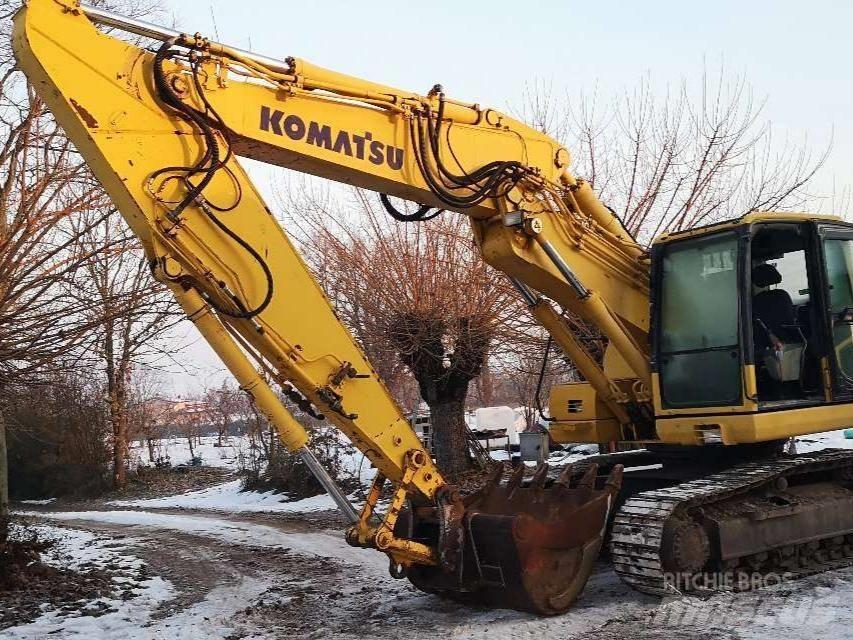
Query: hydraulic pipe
x=329, y=484
x=291, y=433
x=164, y=34
x=324, y=78
x=566, y=340
x=593, y=308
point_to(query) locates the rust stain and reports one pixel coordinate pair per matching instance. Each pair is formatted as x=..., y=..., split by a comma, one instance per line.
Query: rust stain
x=87, y=117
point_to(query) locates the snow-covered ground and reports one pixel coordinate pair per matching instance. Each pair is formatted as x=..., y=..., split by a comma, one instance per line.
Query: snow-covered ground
x=229, y=497
x=825, y=440
x=291, y=589
x=233, y=453
x=177, y=451
x=327, y=544
x=365, y=601
x=81, y=550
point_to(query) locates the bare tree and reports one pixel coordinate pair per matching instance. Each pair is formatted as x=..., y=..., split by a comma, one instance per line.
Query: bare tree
x=131, y=315
x=191, y=416
x=147, y=410
x=223, y=407
x=675, y=159
x=415, y=295
x=42, y=183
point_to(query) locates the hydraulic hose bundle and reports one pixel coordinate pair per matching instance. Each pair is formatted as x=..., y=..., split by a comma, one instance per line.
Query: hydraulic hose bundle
x=458, y=191
x=207, y=166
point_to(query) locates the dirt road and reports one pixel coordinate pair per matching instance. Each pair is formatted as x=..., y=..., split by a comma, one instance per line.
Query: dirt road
x=269, y=577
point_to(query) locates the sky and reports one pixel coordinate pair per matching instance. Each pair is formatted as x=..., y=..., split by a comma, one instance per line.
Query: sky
x=795, y=55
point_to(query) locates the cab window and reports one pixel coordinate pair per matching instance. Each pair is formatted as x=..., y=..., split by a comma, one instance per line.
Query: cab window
x=699, y=335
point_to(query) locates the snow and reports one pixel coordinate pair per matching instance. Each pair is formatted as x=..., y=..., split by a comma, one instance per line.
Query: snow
x=131, y=619
x=234, y=451
x=177, y=451
x=38, y=502
x=815, y=607
x=229, y=497
x=322, y=544
x=500, y=419
x=80, y=550
x=825, y=440
x=208, y=619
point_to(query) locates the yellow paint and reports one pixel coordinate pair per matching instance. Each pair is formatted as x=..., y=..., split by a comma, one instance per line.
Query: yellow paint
x=101, y=91
x=748, y=219
x=757, y=427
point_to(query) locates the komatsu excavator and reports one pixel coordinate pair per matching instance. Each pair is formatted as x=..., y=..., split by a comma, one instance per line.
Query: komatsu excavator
x=723, y=341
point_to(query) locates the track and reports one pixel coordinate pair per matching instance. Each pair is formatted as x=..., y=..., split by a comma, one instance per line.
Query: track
x=637, y=539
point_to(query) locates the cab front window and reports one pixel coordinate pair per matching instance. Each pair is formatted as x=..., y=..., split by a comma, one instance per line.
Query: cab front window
x=699, y=330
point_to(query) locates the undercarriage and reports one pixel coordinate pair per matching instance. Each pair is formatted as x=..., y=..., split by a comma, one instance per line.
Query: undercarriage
x=741, y=525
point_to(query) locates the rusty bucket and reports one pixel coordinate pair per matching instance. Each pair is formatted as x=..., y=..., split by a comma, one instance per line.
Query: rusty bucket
x=528, y=546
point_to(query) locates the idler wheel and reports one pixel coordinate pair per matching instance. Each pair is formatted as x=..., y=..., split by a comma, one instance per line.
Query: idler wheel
x=686, y=546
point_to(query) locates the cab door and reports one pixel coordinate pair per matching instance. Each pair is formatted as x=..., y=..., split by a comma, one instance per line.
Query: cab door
x=837, y=257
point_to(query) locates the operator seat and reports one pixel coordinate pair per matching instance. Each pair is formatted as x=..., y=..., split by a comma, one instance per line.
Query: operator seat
x=773, y=307
x=779, y=341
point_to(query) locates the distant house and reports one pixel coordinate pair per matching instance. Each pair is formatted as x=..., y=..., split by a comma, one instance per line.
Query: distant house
x=162, y=413
x=190, y=412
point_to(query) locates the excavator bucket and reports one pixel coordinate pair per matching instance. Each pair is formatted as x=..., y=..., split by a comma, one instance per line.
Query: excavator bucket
x=526, y=545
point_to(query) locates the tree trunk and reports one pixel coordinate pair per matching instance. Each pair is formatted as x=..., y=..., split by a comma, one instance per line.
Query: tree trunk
x=450, y=437
x=119, y=421
x=486, y=385
x=118, y=417
x=150, y=441
x=4, y=483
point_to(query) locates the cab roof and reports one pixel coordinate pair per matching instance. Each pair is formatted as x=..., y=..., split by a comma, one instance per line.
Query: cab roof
x=750, y=218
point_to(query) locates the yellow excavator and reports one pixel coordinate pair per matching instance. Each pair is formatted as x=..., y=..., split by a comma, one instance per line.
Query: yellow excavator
x=723, y=341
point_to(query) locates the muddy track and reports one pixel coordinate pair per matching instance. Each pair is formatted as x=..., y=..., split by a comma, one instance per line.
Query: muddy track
x=303, y=582
x=309, y=596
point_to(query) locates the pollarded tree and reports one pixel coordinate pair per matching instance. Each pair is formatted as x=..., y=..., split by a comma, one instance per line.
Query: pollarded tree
x=414, y=295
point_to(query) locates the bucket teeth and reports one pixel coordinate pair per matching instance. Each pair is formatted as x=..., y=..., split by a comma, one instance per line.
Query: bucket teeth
x=514, y=481
x=588, y=479
x=614, y=479
x=565, y=477
x=491, y=484
x=494, y=478
x=527, y=546
x=540, y=476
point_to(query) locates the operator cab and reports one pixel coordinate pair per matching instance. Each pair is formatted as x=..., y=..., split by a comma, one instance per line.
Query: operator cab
x=754, y=314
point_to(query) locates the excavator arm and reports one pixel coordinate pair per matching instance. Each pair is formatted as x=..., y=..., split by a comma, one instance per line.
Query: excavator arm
x=162, y=131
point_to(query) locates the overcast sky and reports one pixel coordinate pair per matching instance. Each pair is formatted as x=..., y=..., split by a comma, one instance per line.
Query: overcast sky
x=796, y=55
